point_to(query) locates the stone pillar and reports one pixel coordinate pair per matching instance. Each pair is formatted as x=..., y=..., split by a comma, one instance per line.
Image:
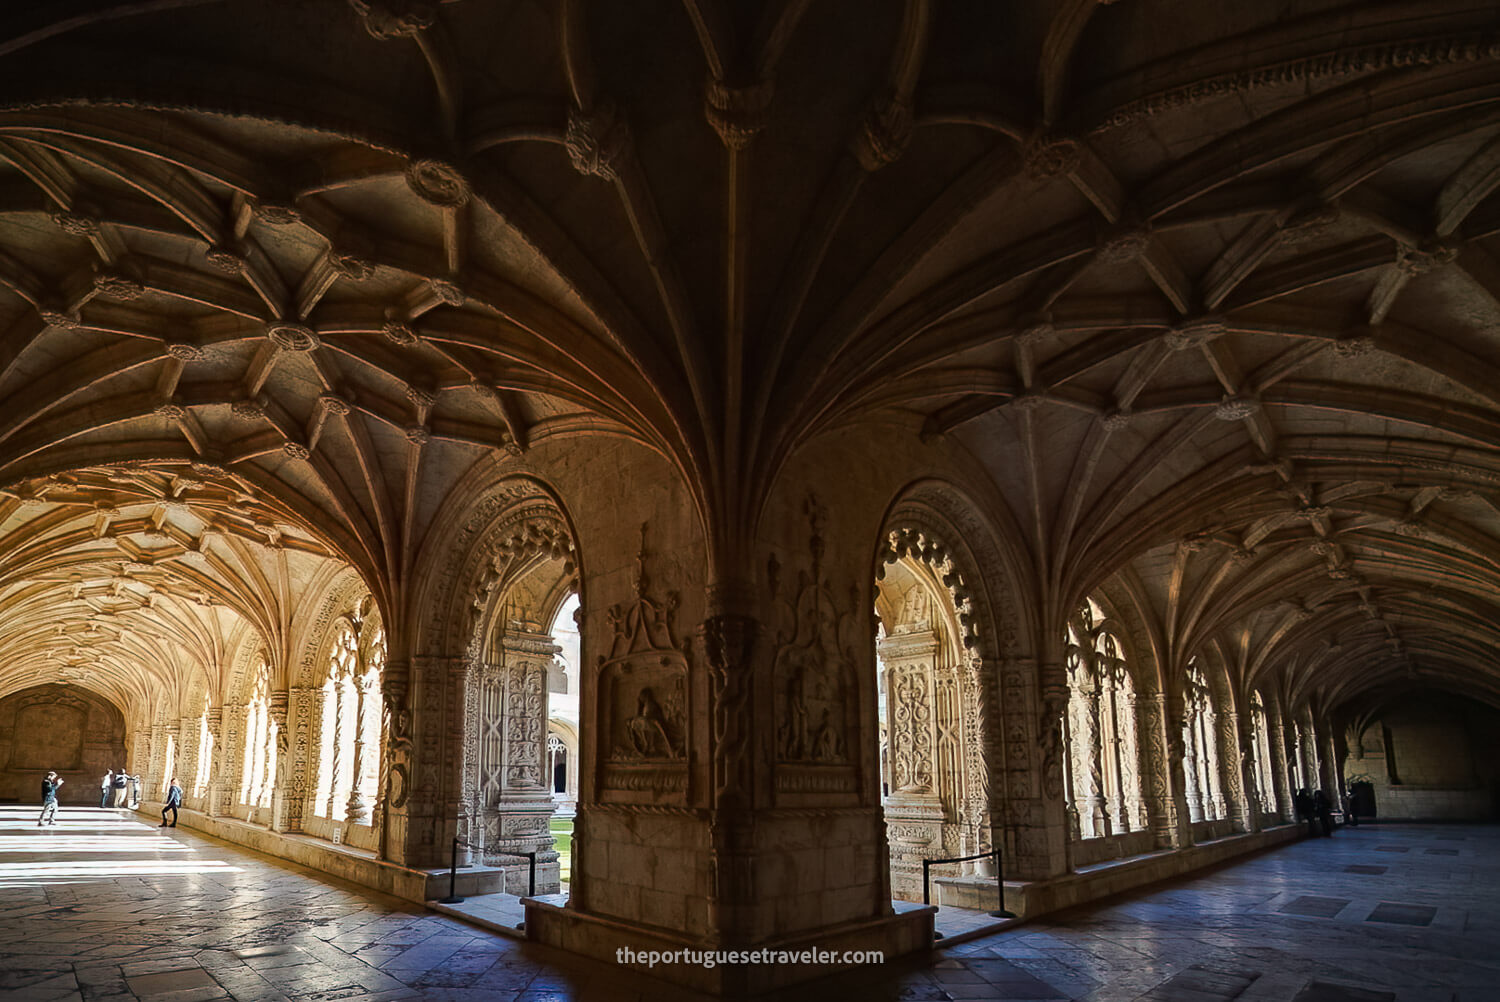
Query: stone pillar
x=913, y=811
x=1281, y=776
x=214, y=798
x=1178, y=766
x=396, y=763
x=189, y=731
x=233, y=760
x=357, y=809
x=304, y=708
x=1157, y=788
x=278, y=746
x=1235, y=752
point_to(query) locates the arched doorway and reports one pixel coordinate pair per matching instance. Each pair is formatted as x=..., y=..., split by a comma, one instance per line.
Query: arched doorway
x=62, y=728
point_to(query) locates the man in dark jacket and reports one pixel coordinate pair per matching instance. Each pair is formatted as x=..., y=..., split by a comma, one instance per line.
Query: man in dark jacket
x=49, y=799
x=174, y=801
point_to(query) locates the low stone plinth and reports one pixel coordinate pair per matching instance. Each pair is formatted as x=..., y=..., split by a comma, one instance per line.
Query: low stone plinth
x=359, y=866
x=551, y=921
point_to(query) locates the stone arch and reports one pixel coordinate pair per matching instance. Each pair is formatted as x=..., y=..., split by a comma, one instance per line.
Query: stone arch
x=937, y=528
x=67, y=728
x=480, y=629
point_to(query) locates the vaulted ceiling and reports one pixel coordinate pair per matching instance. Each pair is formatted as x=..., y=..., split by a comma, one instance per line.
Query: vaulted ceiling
x=1209, y=289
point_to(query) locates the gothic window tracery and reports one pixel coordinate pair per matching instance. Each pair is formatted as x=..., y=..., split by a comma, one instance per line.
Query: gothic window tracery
x=260, y=752
x=1105, y=785
x=1205, y=791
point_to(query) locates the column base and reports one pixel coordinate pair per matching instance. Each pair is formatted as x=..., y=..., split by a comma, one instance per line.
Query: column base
x=550, y=920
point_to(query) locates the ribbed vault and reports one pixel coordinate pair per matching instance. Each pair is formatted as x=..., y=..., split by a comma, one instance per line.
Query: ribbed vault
x=1211, y=294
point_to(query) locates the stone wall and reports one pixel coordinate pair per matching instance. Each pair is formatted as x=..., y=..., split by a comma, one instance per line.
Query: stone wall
x=1433, y=758
x=61, y=728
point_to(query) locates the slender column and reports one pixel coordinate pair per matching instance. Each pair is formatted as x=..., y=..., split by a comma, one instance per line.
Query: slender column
x=340, y=735
x=216, y=767
x=1239, y=780
x=304, y=704
x=277, y=759
x=1281, y=777
x=188, y=752
x=233, y=760
x=358, y=809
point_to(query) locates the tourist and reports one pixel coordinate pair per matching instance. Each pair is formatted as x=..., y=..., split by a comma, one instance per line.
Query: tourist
x=1323, y=807
x=105, y=785
x=174, y=801
x=118, y=785
x=49, y=799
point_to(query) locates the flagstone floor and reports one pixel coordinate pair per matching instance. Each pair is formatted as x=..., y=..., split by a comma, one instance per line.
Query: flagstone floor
x=104, y=907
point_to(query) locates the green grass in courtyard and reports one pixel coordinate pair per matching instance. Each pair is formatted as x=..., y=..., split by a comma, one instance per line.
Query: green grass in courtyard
x=562, y=831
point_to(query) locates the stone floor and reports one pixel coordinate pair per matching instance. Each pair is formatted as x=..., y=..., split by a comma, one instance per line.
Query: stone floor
x=102, y=906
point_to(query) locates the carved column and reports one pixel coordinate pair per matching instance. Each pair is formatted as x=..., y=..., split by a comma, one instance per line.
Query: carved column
x=1239, y=778
x=1281, y=778
x=152, y=783
x=278, y=759
x=305, y=704
x=234, y=756
x=395, y=762
x=914, y=809
x=357, y=808
x=1151, y=723
x=340, y=753
x=729, y=640
x=214, y=797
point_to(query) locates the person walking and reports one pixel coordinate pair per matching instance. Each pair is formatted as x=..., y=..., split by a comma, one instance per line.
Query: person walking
x=174, y=801
x=105, y=785
x=117, y=787
x=49, y=799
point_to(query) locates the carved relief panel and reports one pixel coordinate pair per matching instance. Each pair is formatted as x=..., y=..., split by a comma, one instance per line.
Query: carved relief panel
x=643, y=702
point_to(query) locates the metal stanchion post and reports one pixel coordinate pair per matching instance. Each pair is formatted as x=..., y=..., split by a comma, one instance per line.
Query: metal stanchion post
x=452, y=898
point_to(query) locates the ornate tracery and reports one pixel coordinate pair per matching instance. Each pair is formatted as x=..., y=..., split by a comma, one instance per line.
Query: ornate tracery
x=1105, y=787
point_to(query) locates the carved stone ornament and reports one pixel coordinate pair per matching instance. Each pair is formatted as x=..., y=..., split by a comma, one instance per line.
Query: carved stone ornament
x=1049, y=156
x=351, y=266
x=114, y=285
x=334, y=404
x=737, y=114
x=1122, y=244
x=1194, y=333
x=1414, y=261
x=293, y=337
x=277, y=214
x=387, y=19
x=1116, y=420
x=249, y=407
x=437, y=183
x=448, y=293
x=418, y=434
x=61, y=319
x=226, y=260
x=643, y=699
x=1354, y=347
x=185, y=352
x=1235, y=408
x=595, y=140
x=171, y=411
x=813, y=675
x=295, y=450
x=76, y=224
x=399, y=334
x=884, y=133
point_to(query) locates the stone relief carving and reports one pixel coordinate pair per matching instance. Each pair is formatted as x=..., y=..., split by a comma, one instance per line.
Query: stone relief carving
x=813, y=666
x=643, y=694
